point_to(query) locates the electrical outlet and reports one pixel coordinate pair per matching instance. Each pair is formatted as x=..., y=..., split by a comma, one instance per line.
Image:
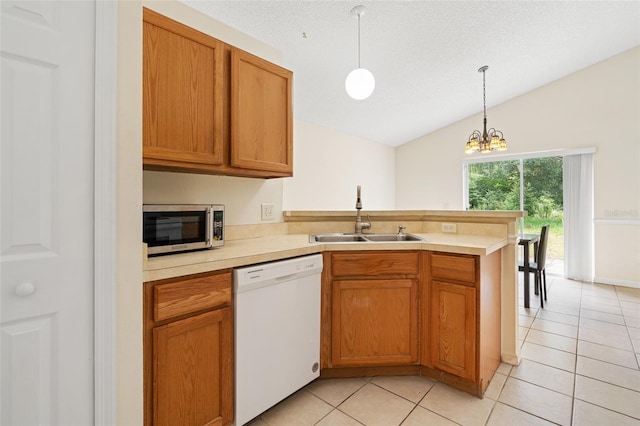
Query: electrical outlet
x=449, y=227
x=268, y=211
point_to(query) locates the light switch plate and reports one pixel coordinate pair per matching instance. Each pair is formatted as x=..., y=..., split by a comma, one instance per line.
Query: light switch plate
x=268, y=211
x=449, y=227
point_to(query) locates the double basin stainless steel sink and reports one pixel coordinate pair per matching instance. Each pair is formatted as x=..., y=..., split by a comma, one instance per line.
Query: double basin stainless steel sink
x=363, y=238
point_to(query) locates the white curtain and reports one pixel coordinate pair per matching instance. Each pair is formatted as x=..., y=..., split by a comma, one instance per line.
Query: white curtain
x=578, y=217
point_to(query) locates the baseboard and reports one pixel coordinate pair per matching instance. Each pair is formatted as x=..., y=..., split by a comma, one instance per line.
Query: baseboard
x=612, y=281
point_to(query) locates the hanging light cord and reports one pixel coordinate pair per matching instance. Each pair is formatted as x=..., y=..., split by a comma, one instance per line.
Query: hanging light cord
x=358, y=40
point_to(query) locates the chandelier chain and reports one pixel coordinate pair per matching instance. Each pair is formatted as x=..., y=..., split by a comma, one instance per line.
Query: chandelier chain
x=484, y=93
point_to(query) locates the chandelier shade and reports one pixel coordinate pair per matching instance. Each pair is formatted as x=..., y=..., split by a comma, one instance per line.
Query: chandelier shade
x=360, y=82
x=487, y=140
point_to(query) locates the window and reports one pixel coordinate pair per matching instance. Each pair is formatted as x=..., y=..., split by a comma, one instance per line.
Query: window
x=534, y=184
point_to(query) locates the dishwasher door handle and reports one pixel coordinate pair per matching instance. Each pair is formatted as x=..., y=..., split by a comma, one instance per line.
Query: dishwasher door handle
x=286, y=277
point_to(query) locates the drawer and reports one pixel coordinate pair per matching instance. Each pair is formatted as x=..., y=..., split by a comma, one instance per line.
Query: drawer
x=186, y=295
x=451, y=267
x=374, y=263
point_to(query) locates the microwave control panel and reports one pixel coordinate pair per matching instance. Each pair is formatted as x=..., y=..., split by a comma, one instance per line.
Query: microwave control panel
x=217, y=231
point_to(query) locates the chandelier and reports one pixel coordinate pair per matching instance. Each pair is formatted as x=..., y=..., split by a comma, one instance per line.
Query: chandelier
x=360, y=82
x=490, y=139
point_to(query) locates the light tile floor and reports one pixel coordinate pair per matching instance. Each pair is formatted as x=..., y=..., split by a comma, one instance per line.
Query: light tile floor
x=580, y=366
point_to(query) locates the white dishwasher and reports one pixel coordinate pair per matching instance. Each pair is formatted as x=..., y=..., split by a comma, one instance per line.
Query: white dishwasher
x=277, y=332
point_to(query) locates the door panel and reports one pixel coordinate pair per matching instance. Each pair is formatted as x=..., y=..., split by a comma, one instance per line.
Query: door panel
x=374, y=322
x=453, y=328
x=46, y=240
x=261, y=114
x=192, y=369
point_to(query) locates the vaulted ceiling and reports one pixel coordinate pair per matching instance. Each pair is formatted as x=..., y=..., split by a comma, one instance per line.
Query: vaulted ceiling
x=425, y=54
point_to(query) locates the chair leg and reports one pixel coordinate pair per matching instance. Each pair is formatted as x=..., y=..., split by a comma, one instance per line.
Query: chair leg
x=544, y=276
x=536, y=283
x=539, y=279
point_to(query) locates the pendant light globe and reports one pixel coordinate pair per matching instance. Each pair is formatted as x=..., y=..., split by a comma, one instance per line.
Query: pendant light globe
x=360, y=83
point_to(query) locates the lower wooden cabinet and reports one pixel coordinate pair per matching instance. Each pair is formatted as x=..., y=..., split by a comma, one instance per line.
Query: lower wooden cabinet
x=461, y=327
x=188, y=350
x=373, y=309
x=453, y=329
x=374, y=322
x=412, y=312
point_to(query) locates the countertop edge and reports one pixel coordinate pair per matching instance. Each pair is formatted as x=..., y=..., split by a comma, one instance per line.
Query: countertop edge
x=267, y=249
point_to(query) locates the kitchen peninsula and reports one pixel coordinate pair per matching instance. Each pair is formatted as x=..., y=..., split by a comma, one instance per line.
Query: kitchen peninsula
x=479, y=233
x=444, y=306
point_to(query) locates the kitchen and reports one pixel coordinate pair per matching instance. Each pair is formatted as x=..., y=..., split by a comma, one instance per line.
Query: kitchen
x=156, y=183
x=317, y=145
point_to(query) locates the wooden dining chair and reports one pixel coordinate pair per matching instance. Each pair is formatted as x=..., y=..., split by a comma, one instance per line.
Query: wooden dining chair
x=537, y=266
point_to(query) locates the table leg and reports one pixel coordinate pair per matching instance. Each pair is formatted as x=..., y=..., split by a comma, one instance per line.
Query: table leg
x=526, y=275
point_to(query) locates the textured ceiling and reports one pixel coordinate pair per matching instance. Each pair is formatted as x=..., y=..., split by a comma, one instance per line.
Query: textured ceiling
x=425, y=54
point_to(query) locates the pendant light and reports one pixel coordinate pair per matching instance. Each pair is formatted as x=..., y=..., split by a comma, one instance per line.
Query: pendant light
x=360, y=82
x=486, y=141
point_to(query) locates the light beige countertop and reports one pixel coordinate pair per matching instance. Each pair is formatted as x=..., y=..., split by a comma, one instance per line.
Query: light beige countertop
x=250, y=251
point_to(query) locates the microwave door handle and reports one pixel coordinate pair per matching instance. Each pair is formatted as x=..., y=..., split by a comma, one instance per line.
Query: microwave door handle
x=209, y=227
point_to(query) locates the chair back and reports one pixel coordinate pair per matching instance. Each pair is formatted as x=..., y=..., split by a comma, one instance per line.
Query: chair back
x=542, y=247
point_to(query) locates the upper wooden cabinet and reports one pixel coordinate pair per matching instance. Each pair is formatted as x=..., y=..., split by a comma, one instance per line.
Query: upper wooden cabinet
x=183, y=94
x=211, y=108
x=261, y=117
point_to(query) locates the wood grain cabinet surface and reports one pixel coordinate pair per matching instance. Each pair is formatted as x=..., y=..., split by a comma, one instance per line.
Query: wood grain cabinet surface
x=211, y=108
x=183, y=94
x=453, y=329
x=461, y=330
x=374, y=309
x=261, y=116
x=188, y=350
x=412, y=312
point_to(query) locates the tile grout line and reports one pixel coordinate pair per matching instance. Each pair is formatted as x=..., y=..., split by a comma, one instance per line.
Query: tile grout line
x=624, y=318
x=575, y=367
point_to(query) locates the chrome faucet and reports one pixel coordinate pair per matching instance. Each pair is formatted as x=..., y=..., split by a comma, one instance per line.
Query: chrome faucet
x=360, y=225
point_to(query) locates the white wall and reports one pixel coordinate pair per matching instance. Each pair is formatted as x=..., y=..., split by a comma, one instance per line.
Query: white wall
x=329, y=165
x=595, y=107
x=242, y=197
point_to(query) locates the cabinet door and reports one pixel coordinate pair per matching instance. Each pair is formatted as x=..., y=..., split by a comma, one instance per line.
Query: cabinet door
x=261, y=115
x=374, y=322
x=183, y=94
x=193, y=370
x=453, y=328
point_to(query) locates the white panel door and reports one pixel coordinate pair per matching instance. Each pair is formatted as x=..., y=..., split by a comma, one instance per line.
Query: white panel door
x=46, y=235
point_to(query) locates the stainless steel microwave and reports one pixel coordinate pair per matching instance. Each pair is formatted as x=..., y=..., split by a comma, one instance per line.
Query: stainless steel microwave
x=173, y=228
